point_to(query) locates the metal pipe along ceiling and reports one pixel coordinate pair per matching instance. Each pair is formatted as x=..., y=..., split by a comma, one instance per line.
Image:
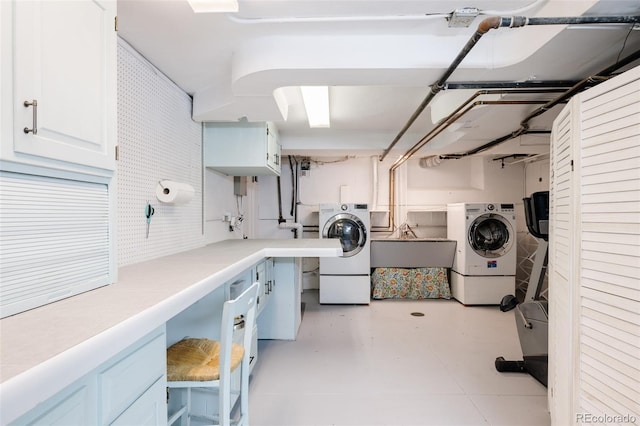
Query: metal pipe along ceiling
x=577, y=88
x=494, y=23
x=484, y=27
x=459, y=112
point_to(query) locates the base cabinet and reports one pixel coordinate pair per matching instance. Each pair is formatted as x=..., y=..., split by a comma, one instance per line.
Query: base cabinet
x=281, y=318
x=148, y=410
x=76, y=405
x=127, y=390
x=131, y=378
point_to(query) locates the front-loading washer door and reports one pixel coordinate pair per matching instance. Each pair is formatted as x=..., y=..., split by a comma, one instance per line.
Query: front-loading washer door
x=350, y=230
x=490, y=235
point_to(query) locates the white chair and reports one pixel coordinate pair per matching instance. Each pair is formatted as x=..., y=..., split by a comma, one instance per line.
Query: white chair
x=204, y=363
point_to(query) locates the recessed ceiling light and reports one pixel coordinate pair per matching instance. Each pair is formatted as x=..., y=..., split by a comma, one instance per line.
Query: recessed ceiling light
x=316, y=103
x=212, y=6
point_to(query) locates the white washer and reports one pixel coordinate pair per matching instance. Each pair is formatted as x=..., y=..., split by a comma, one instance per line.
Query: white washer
x=346, y=279
x=484, y=266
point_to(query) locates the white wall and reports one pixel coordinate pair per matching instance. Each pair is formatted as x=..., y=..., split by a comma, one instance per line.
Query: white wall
x=220, y=200
x=421, y=197
x=536, y=176
x=158, y=140
x=470, y=179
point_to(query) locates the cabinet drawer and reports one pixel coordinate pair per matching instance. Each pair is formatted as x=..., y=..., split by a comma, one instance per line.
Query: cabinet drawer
x=130, y=377
x=148, y=410
x=76, y=405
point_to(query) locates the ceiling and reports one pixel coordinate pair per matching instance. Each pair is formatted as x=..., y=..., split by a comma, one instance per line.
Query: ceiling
x=379, y=58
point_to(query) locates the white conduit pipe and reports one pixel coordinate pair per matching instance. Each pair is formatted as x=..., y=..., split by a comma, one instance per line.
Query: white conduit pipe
x=516, y=11
x=292, y=225
x=373, y=18
x=374, y=185
x=325, y=19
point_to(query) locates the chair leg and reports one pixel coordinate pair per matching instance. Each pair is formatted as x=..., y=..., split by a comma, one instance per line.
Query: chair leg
x=244, y=395
x=188, y=406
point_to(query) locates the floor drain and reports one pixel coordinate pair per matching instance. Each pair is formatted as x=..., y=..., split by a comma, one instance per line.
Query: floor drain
x=417, y=314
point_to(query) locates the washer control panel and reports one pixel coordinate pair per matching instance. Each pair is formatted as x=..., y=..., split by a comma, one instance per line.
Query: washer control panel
x=507, y=208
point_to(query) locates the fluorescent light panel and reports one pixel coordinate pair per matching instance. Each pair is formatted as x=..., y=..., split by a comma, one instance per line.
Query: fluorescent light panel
x=316, y=102
x=209, y=6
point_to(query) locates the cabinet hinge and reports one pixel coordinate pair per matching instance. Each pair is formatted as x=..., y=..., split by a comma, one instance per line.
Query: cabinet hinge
x=116, y=23
x=117, y=152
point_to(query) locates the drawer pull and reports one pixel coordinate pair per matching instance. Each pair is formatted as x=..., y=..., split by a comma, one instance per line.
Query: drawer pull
x=34, y=104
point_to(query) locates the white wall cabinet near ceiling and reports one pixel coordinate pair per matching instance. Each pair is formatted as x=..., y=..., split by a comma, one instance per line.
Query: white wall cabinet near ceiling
x=61, y=65
x=594, y=256
x=242, y=148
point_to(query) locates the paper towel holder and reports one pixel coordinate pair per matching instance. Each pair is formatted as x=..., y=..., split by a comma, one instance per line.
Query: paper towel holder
x=165, y=190
x=171, y=192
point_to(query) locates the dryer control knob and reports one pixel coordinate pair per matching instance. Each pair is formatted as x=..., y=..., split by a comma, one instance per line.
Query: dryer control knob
x=344, y=207
x=491, y=207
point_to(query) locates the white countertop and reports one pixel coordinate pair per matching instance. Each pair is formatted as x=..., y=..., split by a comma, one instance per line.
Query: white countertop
x=47, y=348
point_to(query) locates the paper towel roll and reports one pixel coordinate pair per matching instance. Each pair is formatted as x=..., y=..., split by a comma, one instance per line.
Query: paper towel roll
x=171, y=192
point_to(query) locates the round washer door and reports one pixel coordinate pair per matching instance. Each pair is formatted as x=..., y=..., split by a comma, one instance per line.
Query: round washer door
x=349, y=229
x=490, y=235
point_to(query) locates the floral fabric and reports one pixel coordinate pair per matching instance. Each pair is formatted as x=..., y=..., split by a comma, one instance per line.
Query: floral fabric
x=410, y=283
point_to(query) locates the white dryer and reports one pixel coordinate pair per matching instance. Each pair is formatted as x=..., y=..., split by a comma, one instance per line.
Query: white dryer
x=484, y=266
x=346, y=279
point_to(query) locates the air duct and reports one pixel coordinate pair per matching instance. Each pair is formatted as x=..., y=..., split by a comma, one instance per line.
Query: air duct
x=431, y=161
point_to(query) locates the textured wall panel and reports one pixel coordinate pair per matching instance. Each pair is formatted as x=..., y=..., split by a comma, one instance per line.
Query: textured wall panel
x=157, y=140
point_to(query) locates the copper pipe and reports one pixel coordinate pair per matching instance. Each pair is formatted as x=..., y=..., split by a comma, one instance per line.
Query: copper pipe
x=485, y=26
x=441, y=126
x=452, y=118
x=577, y=88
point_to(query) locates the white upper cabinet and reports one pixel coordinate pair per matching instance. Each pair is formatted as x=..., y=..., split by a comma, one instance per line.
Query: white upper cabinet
x=242, y=148
x=64, y=83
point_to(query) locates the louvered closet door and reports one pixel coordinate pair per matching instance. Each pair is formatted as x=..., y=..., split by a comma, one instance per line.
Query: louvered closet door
x=610, y=248
x=54, y=239
x=561, y=267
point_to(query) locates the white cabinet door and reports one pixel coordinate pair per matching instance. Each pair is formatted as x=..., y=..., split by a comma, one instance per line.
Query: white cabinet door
x=64, y=59
x=281, y=318
x=148, y=410
x=130, y=377
x=261, y=277
x=242, y=148
x=273, y=149
x=75, y=405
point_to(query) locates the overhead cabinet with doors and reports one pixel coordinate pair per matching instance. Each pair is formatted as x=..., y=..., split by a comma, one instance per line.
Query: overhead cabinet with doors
x=242, y=148
x=46, y=118
x=57, y=149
